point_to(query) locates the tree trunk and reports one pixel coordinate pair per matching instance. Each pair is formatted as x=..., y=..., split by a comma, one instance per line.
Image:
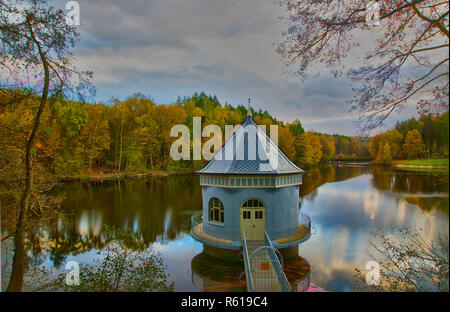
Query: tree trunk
x=91, y=154
x=121, y=136
x=16, y=279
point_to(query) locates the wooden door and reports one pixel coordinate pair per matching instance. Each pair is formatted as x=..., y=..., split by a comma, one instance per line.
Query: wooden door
x=253, y=219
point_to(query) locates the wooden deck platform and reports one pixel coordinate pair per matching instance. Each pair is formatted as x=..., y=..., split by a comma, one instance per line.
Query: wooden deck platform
x=200, y=233
x=302, y=233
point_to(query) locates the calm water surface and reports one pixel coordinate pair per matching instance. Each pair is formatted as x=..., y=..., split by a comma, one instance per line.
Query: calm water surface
x=347, y=205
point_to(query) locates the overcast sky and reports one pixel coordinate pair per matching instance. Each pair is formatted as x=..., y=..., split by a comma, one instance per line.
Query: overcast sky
x=170, y=48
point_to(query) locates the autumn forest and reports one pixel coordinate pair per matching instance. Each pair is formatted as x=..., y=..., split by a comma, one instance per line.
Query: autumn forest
x=133, y=136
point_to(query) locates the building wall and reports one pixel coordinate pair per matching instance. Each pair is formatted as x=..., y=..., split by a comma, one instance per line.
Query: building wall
x=281, y=210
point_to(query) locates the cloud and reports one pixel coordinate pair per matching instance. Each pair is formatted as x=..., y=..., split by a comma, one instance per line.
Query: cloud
x=327, y=87
x=172, y=48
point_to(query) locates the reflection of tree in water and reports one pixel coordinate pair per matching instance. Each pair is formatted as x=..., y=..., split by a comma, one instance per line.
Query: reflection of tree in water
x=139, y=205
x=210, y=274
x=42, y=211
x=155, y=208
x=429, y=203
x=400, y=181
x=159, y=208
x=328, y=173
x=125, y=263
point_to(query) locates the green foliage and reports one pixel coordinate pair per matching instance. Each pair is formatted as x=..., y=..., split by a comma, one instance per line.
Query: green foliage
x=434, y=131
x=132, y=136
x=309, y=149
x=296, y=127
x=328, y=147
x=384, y=154
x=385, y=146
x=412, y=148
x=125, y=264
x=413, y=138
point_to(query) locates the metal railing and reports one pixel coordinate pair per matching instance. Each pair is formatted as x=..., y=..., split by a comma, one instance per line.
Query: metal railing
x=290, y=237
x=305, y=220
x=279, y=238
x=209, y=236
x=277, y=263
x=248, y=274
x=303, y=285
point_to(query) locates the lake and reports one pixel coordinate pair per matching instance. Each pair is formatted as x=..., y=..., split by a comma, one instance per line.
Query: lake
x=347, y=205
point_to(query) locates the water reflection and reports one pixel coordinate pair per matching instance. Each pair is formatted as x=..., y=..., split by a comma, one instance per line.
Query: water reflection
x=208, y=274
x=346, y=214
x=346, y=204
x=157, y=208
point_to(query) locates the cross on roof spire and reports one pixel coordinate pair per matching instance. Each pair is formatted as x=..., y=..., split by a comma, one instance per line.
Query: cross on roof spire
x=249, y=112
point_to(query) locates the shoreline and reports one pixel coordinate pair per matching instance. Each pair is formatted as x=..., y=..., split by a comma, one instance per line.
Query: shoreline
x=427, y=164
x=114, y=177
x=105, y=177
x=420, y=166
x=100, y=177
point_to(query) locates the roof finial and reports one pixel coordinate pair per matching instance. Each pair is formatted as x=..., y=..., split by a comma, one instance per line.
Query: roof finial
x=249, y=112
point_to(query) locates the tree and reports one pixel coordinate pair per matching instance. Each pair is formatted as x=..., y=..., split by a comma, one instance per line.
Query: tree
x=328, y=147
x=374, y=145
x=443, y=135
x=395, y=138
x=406, y=60
x=384, y=154
x=125, y=263
x=412, y=148
x=434, y=131
x=145, y=135
x=36, y=42
x=285, y=139
x=167, y=116
x=377, y=145
x=308, y=149
x=94, y=137
x=408, y=262
x=296, y=127
x=342, y=144
x=70, y=117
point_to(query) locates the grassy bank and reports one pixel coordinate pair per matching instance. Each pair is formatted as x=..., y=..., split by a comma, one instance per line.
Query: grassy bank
x=440, y=162
x=433, y=165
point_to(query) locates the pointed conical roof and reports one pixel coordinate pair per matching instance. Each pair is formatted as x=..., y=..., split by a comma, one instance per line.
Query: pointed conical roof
x=250, y=151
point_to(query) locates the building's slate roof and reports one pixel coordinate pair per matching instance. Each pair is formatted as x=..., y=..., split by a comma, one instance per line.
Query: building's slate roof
x=230, y=160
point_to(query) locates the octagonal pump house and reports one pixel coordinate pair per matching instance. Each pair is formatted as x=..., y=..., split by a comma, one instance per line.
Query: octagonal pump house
x=250, y=186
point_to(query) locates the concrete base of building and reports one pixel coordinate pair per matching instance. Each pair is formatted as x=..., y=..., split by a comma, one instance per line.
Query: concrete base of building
x=289, y=253
x=234, y=255
x=223, y=254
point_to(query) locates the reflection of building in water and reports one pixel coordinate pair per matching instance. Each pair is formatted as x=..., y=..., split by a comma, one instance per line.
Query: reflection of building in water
x=208, y=274
x=297, y=271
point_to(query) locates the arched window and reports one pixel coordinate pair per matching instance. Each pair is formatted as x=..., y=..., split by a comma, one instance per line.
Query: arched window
x=253, y=203
x=216, y=212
